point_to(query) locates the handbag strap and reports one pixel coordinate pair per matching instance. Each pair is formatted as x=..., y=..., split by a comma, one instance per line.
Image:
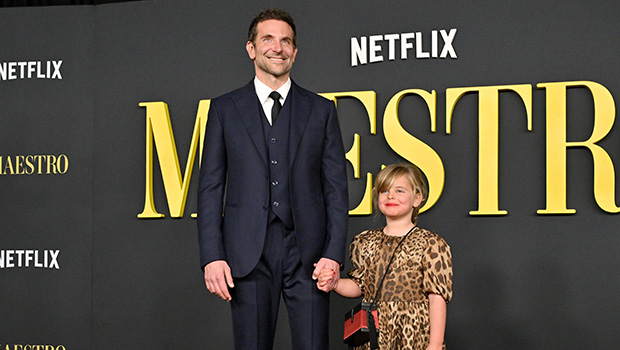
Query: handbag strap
x=373, y=337
x=380, y=286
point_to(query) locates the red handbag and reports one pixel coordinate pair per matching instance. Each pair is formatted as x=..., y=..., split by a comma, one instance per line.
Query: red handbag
x=357, y=321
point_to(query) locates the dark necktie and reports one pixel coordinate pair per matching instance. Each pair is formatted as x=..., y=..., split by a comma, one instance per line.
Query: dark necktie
x=275, y=110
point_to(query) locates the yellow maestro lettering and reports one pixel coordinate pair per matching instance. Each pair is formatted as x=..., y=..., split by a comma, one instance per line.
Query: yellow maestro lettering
x=159, y=133
x=488, y=142
x=412, y=149
x=369, y=100
x=31, y=347
x=604, y=175
x=34, y=164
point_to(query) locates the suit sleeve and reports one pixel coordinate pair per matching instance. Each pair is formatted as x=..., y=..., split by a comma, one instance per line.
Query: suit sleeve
x=335, y=191
x=211, y=186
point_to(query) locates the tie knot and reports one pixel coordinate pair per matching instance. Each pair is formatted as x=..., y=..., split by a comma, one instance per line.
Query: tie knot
x=275, y=96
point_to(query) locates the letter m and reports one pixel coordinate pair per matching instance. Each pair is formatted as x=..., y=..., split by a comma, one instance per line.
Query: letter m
x=159, y=132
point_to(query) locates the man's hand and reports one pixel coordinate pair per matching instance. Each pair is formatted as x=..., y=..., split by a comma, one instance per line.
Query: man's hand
x=325, y=277
x=325, y=263
x=218, y=279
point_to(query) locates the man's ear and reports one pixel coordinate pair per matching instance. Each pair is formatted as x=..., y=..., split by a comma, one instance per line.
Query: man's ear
x=249, y=47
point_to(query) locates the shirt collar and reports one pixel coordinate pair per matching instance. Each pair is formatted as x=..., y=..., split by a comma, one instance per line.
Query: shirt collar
x=263, y=91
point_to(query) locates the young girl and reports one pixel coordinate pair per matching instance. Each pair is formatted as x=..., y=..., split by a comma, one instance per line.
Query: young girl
x=418, y=285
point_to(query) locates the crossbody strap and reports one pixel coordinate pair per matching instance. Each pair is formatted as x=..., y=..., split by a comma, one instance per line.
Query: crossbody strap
x=380, y=286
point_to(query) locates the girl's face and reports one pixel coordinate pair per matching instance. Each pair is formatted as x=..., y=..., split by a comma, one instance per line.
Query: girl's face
x=398, y=201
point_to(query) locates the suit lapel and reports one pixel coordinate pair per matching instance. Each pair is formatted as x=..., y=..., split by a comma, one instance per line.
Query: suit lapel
x=248, y=110
x=301, y=109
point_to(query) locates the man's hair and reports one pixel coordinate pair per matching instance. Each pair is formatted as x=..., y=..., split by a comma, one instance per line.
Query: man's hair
x=271, y=13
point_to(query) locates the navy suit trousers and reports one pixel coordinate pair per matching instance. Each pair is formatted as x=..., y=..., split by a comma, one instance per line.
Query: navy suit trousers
x=256, y=298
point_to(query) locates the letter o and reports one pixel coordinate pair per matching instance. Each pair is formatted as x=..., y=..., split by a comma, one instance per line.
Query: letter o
x=65, y=161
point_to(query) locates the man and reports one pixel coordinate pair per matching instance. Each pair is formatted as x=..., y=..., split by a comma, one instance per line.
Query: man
x=272, y=197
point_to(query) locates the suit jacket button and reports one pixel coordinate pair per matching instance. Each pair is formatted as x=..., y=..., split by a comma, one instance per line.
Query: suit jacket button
x=275, y=204
x=273, y=140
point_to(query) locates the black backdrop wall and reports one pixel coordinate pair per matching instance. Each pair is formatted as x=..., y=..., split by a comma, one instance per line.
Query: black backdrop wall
x=28, y=3
x=80, y=270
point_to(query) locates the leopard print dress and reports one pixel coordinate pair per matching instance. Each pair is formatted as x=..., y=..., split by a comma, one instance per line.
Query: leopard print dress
x=422, y=265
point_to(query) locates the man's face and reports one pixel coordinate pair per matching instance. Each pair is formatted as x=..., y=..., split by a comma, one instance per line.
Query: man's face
x=273, y=52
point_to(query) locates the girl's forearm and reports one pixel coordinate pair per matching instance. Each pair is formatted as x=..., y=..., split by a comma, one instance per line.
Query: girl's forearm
x=347, y=288
x=437, y=314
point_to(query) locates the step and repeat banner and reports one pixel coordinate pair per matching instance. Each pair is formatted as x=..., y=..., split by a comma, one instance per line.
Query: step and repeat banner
x=507, y=107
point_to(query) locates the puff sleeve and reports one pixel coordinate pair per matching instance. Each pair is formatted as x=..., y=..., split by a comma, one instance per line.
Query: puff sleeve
x=437, y=265
x=358, y=255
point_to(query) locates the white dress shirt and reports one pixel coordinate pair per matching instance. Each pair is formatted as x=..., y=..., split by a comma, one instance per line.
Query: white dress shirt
x=263, y=91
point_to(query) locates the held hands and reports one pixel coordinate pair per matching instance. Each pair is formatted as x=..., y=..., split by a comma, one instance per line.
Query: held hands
x=218, y=279
x=327, y=274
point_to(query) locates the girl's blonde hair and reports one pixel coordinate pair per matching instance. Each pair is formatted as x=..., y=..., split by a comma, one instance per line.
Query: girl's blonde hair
x=387, y=177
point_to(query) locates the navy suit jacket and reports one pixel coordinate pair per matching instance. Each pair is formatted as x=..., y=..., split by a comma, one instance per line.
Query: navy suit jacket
x=233, y=194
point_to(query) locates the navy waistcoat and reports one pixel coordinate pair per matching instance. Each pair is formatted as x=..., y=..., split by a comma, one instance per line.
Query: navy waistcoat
x=277, y=142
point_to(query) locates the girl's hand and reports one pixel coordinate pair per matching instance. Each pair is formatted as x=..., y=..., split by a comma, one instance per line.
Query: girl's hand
x=325, y=276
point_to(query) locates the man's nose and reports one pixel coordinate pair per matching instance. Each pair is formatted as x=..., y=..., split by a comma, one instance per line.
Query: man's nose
x=276, y=46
